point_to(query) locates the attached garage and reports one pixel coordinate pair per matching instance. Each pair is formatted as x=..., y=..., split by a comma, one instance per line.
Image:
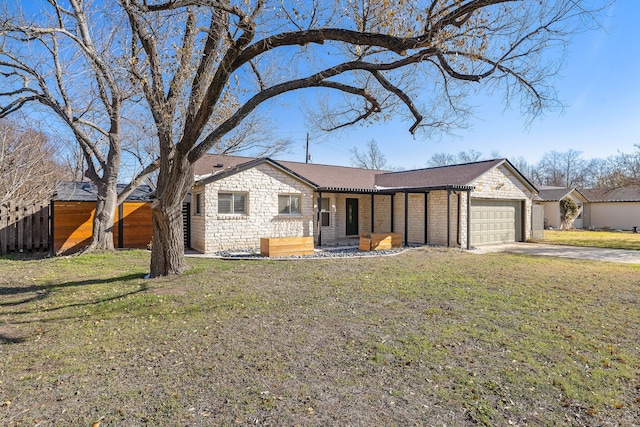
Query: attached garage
x=495, y=221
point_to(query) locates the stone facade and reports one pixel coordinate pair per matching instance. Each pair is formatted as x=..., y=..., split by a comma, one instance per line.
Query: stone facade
x=211, y=231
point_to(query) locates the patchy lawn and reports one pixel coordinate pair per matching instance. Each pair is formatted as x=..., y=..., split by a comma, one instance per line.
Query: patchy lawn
x=598, y=239
x=428, y=337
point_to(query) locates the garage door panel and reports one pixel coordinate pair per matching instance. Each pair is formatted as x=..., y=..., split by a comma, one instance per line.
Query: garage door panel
x=494, y=221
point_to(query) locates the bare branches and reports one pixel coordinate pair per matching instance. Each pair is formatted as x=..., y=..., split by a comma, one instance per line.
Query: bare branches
x=28, y=171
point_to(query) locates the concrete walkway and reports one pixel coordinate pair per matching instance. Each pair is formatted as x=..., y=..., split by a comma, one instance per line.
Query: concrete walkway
x=595, y=254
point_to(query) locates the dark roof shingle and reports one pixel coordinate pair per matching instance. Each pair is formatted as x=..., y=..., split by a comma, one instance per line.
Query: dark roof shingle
x=73, y=191
x=553, y=194
x=454, y=175
x=342, y=178
x=629, y=193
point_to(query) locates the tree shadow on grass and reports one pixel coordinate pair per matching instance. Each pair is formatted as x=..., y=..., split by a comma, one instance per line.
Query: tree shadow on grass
x=43, y=291
x=39, y=289
x=6, y=339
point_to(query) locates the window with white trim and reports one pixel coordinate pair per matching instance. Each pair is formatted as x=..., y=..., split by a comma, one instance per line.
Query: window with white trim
x=325, y=212
x=290, y=204
x=232, y=203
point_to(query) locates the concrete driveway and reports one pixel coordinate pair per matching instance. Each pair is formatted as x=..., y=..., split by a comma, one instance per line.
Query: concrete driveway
x=595, y=254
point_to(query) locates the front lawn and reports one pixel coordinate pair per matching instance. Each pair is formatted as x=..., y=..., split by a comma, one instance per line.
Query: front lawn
x=598, y=239
x=428, y=337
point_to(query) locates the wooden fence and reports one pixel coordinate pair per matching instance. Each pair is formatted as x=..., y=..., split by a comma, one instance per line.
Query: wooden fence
x=65, y=227
x=73, y=225
x=24, y=228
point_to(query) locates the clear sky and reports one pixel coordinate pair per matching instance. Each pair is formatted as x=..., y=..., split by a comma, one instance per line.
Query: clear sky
x=599, y=87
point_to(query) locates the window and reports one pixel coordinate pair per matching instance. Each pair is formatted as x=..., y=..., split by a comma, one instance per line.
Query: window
x=289, y=204
x=198, y=204
x=232, y=203
x=325, y=212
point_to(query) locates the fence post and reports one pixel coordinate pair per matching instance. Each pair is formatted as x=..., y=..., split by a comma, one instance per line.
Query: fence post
x=4, y=222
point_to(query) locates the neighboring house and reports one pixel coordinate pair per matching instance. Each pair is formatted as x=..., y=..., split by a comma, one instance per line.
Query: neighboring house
x=72, y=210
x=612, y=208
x=550, y=199
x=238, y=200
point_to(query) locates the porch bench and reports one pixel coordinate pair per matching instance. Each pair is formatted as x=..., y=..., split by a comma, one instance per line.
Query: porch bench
x=379, y=241
x=286, y=246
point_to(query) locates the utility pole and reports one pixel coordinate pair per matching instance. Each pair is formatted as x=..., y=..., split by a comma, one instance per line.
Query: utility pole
x=307, y=157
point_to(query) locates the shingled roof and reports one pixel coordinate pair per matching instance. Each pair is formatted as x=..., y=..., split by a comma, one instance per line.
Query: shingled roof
x=345, y=179
x=215, y=166
x=554, y=194
x=73, y=191
x=454, y=175
x=620, y=194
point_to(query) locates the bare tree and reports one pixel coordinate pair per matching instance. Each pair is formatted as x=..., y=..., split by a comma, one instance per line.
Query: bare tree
x=205, y=66
x=29, y=172
x=619, y=170
x=565, y=169
x=446, y=159
x=371, y=158
x=526, y=169
x=62, y=60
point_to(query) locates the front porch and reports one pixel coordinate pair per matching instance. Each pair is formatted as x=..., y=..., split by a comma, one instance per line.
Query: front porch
x=421, y=216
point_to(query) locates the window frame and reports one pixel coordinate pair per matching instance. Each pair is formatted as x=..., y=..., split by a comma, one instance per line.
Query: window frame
x=198, y=211
x=290, y=204
x=233, y=202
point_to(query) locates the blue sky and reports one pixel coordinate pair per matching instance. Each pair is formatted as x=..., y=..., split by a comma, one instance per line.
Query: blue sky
x=598, y=87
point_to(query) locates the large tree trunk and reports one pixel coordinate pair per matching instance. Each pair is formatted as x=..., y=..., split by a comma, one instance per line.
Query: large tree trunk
x=103, y=219
x=107, y=198
x=167, y=252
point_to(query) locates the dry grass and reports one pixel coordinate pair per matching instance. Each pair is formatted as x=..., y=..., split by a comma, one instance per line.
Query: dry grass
x=429, y=337
x=598, y=239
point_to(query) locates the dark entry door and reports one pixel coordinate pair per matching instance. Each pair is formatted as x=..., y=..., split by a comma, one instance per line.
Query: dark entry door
x=352, y=217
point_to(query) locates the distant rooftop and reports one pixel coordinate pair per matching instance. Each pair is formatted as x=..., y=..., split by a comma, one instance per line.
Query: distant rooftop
x=73, y=191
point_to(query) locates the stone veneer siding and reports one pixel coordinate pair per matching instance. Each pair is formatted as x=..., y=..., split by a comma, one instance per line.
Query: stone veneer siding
x=437, y=221
x=211, y=232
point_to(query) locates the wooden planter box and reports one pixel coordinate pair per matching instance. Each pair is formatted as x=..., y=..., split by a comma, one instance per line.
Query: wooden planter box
x=286, y=246
x=380, y=241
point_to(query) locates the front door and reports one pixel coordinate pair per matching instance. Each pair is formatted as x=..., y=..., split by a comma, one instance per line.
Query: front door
x=352, y=217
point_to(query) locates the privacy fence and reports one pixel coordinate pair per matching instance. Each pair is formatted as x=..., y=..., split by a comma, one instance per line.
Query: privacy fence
x=24, y=227
x=65, y=227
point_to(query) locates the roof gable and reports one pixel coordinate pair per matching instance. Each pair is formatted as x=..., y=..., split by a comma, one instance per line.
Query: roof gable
x=223, y=166
x=555, y=194
x=453, y=175
x=215, y=166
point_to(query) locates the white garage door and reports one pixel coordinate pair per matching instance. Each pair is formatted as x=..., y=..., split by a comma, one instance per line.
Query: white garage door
x=494, y=221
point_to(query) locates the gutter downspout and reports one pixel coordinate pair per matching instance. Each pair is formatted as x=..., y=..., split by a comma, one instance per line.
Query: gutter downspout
x=372, y=213
x=392, y=208
x=468, y=220
x=459, y=220
x=319, y=221
x=426, y=218
x=406, y=218
x=448, y=217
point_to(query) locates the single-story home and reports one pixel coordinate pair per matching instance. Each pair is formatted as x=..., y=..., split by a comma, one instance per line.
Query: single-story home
x=612, y=208
x=236, y=201
x=72, y=210
x=549, y=198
